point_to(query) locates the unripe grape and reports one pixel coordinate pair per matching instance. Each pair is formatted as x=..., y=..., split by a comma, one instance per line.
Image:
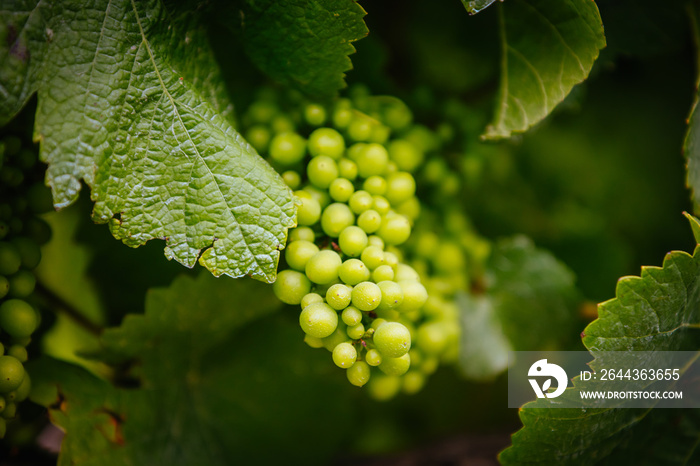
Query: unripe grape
x=261, y=111
x=298, y=254
x=358, y=374
x=282, y=124
x=10, y=259
x=370, y=221
x=373, y=357
x=406, y=156
x=397, y=115
x=351, y=316
x=391, y=260
x=322, y=170
x=323, y=268
x=17, y=318
x=395, y=230
x=352, y=241
x=338, y=296
x=414, y=295
x=376, y=323
x=373, y=257
x=392, y=339
x=11, y=374
x=356, y=331
x=400, y=187
x=291, y=286
x=308, y=209
x=339, y=336
x=311, y=298
x=431, y=338
x=383, y=387
x=3, y=403
x=18, y=352
x=360, y=201
x=381, y=205
x=376, y=241
x=291, y=179
x=372, y=160
x=360, y=129
x=326, y=141
x=29, y=251
x=287, y=148
x=259, y=137
x=10, y=411
x=375, y=185
x=24, y=388
x=4, y=286
x=382, y=273
x=321, y=195
x=353, y=271
x=395, y=366
x=410, y=208
x=449, y=258
x=318, y=320
x=313, y=341
x=302, y=234
x=341, y=189
x=347, y=169
x=314, y=114
x=342, y=118
x=392, y=295
x=37, y=230
x=22, y=284
x=405, y=272
x=344, y=355
x=366, y=296
x=336, y=217
x=380, y=134
x=413, y=382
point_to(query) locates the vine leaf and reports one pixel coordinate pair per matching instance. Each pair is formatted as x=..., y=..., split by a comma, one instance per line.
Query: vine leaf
x=130, y=101
x=213, y=385
x=691, y=145
x=658, y=311
x=476, y=6
x=303, y=43
x=547, y=47
x=529, y=303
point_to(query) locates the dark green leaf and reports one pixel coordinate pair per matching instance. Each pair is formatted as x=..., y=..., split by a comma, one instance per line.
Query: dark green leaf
x=131, y=102
x=548, y=46
x=691, y=145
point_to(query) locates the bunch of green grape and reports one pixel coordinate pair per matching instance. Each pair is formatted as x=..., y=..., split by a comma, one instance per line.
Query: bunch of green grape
x=352, y=169
x=22, y=197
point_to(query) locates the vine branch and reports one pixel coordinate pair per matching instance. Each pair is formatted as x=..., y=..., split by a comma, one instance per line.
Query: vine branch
x=67, y=309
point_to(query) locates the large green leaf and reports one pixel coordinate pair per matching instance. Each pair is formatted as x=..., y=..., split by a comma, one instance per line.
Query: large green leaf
x=529, y=304
x=130, y=101
x=659, y=311
x=220, y=380
x=303, y=43
x=548, y=46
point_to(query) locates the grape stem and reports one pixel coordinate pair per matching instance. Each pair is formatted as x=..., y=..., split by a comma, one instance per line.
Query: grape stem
x=61, y=306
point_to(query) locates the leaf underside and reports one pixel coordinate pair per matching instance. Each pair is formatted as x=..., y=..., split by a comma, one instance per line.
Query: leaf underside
x=130, y=102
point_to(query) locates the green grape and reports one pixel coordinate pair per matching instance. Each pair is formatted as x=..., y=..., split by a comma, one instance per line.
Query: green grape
x=372, y=160
x=435, y=170
x=259, y=137
x=302, y=234
x=4, y=229
x=22, y=284
x=322, y=170
x=313, y=341
x=326, y=141
x=353, y=271
x=391, y=260
x=344, y=355
x=383, y=272
x=414, y=295
x=338, y=296
x=384, y=387
x=395, y=366
x=352, y=241
x=376, y=323
x=3, y=402
x=392, y=339
x=391, y=168
x=11, y=374
x=291, y=179
x=18, y=352
x=17, y=318
x=380, y=134
x=10, y=411
x=373, y=257
x=356, y=331
x=321, y=195
x=282, y=124
x=342, y=118
x=314, y=114
x=373, y=357
x=351, y=316
x=261, y=111
x=347, y=169
x=10, y=259
x=381, y=205
x=311, y=298
x=323, y=267
x=422, y=137
x=431, y=338
x=375, y=185
x=392, y=295
x=406, y=156
x=358, y=374
x=11, y=396
x=24, y=388
x=37, y=230
x=400, y=187
x=426, y=244
x=360, y=129
x=287, y=148
x=341, y=189
x=4, y=286
x=449, y=258
x=337, y=337
x=308, y=209
x=366, y=296
x=429, y=365
x=335, y=218
x=298, y=254
x=405, y=272
x=360, y=201
x=29, y=251
x=291, y=286
x=376, y=241
x=395, y=229
x=318, y=320
x=410, y=209
x=413, y=382
x=370, y=221
x=354, y=151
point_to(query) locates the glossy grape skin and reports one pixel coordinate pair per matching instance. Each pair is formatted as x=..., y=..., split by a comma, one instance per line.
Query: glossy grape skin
x=311, y=298
x=287, y=148
x=298, y=254
x=308, y=208
x=344, y=355
x=326, y=141
x=369, y=221
x=341, y=189
x=372, y=160
x=358, y=374
x=373, y=257
x=383, y=272
x=407, y=156
x=291, y=179
x=11, y=374
x=336, y=217
x=405, y=272
x=10, y=259
x=383, y=387
x=392, y=339
x=17, y=318
x=395, y=366
x=322, y=171
x=392, y=294
x=318, y=320
x=360, y=129
x=414, y=295
x=339, y=336
x=366, y=296
x=347, y=169
x=356, y=332
x=431, y=338
x=375, y=185
x=323, y=268
x=401, y=186
x=360, y=201
x=315, y=115
x=351, y=316
x=373, y=357
x=18, y=352
x=313, y=341
x=352, y=241
x=22, y=284
x=338, y=297
x=395, y=230
x=302, y=234
x=354, y=271
x=291, y=286
x=380, y=204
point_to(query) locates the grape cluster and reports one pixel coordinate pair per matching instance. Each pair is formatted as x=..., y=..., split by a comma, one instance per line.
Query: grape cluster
x=22, y=197
x=352, y=171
